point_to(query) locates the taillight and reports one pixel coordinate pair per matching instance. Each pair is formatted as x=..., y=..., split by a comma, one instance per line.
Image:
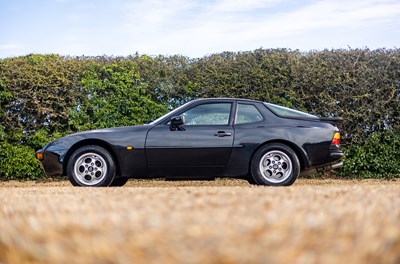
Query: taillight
x=336, y=139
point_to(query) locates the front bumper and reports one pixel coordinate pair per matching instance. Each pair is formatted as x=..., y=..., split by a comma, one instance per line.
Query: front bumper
x=50, y=162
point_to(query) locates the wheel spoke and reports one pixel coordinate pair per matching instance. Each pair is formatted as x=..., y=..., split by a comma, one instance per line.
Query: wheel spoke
x=90, y=168
x=275, y=166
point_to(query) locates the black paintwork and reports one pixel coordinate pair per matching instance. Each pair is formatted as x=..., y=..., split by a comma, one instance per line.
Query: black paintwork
x=164, y=150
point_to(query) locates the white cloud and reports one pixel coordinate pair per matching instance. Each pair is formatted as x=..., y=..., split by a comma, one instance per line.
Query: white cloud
x=328, y=14
x=196, y=28
x=226, y=6
x=11, y=49
x=9, y=46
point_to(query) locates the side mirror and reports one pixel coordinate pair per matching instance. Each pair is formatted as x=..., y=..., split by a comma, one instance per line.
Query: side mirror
x=177, y=121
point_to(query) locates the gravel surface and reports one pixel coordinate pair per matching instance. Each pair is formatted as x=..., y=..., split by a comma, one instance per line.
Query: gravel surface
x=222, y=221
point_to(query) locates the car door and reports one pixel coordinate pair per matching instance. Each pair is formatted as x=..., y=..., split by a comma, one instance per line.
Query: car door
x=201, y=146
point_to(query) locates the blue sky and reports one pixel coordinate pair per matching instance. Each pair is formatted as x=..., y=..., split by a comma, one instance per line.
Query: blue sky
x=194, y=28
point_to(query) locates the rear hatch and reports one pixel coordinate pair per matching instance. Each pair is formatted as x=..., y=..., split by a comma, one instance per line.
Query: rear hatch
x=285, y=112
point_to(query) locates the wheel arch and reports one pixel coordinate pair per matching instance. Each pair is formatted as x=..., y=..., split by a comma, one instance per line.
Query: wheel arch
x=96, y=142
x=299, y=152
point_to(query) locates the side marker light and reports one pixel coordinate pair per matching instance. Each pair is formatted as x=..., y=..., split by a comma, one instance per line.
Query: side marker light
x=39, y=156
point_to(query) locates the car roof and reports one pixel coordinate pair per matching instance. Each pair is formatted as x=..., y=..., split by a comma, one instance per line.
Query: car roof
x=221, y=99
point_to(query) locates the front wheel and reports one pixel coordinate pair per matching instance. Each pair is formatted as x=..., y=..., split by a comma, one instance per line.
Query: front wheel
x=276, y=165
x=91, y=166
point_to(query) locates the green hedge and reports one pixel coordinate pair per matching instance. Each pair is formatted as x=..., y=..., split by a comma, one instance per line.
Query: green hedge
x=18, y=162
x=43, y=97
x=113, y=96
x=377, y=157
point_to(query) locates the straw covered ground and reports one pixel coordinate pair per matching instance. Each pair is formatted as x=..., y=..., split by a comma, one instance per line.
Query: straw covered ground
x=221, y=221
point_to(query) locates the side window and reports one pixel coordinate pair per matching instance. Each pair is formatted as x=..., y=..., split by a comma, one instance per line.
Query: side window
x=208, y=114
x=247, y=113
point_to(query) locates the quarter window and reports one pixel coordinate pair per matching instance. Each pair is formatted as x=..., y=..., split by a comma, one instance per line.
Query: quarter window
x=208, y=114
x=247, y=113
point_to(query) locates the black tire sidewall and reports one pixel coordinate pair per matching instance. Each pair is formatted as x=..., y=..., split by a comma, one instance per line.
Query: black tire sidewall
x=259, y=179
x=98, y=150
x=119, y=182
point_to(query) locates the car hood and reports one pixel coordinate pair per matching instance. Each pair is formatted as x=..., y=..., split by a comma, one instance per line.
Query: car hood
x=113, y=130
x=67, y=141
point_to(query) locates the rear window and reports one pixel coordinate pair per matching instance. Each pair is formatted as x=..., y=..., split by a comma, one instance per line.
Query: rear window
x=287, y=112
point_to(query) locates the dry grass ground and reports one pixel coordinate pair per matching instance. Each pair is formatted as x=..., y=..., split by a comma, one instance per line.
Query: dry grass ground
x=222, y=221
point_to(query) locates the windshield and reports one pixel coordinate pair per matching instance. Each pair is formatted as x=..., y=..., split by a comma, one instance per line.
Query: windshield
x=287, y=112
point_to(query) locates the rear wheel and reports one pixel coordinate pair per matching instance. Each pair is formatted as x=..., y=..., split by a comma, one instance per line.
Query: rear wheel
x=276, y=165
x=91, y=166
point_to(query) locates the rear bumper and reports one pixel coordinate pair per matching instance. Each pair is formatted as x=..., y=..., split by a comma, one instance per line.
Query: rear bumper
x=324, y=168
x=332, y=162
x=335, y=153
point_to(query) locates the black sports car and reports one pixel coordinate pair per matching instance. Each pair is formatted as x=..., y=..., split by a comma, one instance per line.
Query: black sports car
x=201, y=139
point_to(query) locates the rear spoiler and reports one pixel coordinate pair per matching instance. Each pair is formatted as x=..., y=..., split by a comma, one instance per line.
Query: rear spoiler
x=331, y=120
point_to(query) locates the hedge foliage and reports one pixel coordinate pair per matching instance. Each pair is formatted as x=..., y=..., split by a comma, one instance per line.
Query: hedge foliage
x=43, y=97
x=378, y=156
x=113, y=96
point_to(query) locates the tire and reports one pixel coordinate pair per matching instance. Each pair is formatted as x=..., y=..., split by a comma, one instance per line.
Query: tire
x=91, y=166
x=275, y=164
x=118, y=182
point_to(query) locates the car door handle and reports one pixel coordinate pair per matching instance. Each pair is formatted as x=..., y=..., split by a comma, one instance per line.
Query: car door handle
x=223, y=134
